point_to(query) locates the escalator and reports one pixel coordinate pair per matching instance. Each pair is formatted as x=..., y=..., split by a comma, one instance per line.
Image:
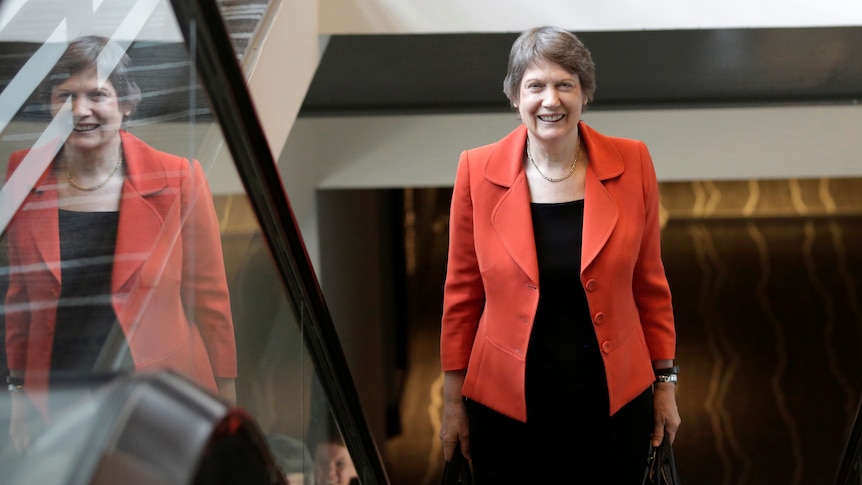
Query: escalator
x=142, y=413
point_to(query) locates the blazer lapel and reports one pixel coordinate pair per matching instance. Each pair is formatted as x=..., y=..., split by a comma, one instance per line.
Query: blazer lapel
x=140, y=222
x=38, y=213
x=42, y=221
x=512, y=218
x=600, y=211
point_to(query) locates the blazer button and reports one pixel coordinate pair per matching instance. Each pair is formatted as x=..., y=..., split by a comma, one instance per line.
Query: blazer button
x=591, y=285
x=599, y=318
x=606, y=346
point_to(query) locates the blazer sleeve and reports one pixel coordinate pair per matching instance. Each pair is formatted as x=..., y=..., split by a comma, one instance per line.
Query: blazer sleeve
x=650, y=286
x=17, y=312
x=463, y=292
x=205, y=286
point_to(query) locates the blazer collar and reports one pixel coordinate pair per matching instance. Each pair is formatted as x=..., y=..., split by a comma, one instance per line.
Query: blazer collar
x=144, y=168
x=143, y=164
x=605, y=160
x=508, y=154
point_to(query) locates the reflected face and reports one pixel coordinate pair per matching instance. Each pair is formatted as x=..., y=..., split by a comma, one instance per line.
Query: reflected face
x=97, y=114
x=332, y=465
x=550, y=101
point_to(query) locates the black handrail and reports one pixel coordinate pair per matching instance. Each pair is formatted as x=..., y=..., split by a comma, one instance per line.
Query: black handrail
x=850, y=467
x=220, y=74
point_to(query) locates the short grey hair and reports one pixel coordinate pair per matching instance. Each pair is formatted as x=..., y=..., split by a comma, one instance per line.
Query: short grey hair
x=551, y=44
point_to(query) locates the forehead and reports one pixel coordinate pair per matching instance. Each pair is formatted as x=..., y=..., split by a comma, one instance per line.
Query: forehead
x=331, y=451
x=548, y=71
x=86, y=79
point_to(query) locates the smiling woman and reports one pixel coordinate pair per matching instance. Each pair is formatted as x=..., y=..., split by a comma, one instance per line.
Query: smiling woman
x=118, y=245
x=569, y=331
x=92, y=153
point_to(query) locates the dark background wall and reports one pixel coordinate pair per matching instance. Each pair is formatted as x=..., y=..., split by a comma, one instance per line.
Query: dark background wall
x=769, y=326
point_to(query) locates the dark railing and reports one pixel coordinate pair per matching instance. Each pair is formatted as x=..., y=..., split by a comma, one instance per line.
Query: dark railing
x=850, y=468
x=210, y=47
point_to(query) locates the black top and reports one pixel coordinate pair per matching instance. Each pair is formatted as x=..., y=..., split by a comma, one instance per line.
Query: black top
x=85, y=316
x=563, y=359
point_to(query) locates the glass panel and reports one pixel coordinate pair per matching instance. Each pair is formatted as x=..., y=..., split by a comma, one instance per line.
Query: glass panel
x=128, y=241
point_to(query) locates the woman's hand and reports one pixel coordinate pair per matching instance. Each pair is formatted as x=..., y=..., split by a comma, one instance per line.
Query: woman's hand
x=454, y=429
x=19, y=426
x=667, y=418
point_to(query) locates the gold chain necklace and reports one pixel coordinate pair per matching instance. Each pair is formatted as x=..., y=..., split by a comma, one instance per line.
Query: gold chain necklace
x=551, y=179
x=93, y=187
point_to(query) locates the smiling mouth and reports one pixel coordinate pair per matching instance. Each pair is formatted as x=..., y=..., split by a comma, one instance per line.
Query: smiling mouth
x=551, y=118
x=85, y=128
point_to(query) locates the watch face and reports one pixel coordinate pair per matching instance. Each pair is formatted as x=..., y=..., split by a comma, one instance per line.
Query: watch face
x=666, y=378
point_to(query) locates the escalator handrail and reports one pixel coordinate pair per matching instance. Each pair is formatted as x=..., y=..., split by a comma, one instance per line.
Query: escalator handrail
x=851, y=450
x=221, y=76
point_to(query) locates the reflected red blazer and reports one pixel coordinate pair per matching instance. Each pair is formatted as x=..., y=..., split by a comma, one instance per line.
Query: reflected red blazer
x=169, y=289
x=492, y=281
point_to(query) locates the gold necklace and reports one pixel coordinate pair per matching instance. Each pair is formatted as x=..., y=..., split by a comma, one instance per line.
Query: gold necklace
x=93, y=187
x=551, y=179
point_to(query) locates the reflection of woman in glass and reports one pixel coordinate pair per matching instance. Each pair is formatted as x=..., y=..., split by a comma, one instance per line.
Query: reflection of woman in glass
x=116, y=250
x=332, y=463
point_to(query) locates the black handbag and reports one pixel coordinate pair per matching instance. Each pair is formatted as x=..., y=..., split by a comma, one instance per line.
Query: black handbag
x=661, y=466
x=457, y=470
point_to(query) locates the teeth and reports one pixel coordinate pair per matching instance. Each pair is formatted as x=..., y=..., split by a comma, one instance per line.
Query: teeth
x=85, y=127
x=551, y=117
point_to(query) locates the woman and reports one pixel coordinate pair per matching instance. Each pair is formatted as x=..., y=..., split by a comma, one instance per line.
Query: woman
x=557, y=321
x=116, y=250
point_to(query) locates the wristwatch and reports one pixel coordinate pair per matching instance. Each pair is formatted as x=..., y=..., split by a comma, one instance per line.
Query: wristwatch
x=666, y=378
x=15, y=384
x=668, y=374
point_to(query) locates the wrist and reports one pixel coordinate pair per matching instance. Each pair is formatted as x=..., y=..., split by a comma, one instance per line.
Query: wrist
x=664, y=388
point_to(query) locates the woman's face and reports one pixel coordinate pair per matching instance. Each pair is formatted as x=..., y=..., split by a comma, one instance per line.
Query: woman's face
x=332, y=465
x=550, y=101
x=96, y=112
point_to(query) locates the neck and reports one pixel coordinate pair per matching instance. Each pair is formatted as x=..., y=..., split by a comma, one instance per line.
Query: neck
x=92, y=161
x=560, y=152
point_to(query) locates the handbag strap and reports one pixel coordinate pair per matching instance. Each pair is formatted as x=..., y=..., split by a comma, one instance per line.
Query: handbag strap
x=661, y=465
x=457, y=471
x=667, y=463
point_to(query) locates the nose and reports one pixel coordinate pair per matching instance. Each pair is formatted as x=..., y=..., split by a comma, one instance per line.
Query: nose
x=552, y=98
x=80, y=106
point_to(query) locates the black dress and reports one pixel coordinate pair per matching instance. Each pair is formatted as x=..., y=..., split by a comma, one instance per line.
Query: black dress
x=568, y=437
x=86, y=322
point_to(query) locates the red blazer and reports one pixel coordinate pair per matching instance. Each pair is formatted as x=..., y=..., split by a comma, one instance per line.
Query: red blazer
x=169, y=289
x=492, y=282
